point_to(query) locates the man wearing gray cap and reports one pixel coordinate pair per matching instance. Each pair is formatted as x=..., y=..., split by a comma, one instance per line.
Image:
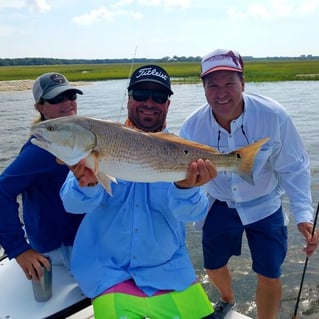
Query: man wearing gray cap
x=230, y=120
x=36, y=176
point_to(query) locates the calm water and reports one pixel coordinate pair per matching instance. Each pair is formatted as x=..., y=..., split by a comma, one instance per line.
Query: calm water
x=108, y=100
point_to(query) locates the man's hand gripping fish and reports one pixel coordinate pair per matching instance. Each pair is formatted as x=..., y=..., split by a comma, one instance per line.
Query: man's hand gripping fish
x=113, y=150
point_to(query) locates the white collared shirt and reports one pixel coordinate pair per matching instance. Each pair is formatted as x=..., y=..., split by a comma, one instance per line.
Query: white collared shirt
x=281, y=165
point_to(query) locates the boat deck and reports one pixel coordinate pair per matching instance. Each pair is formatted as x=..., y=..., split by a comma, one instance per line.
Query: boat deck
x=67, y=301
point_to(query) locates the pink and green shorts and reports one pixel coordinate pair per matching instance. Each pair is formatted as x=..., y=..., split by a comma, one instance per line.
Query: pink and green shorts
x=127, y=301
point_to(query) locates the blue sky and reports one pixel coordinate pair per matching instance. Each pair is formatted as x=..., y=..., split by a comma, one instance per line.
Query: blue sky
x=99, y=29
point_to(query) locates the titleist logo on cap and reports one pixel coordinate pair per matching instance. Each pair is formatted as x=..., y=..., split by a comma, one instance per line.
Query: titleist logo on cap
x=151, y=72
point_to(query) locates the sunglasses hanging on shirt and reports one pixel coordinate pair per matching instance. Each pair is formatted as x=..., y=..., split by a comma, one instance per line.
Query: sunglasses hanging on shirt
x=242, y=131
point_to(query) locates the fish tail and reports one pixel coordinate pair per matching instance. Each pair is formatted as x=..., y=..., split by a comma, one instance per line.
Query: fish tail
x=246, y=158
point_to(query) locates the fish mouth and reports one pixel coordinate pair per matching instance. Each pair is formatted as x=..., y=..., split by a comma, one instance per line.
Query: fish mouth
x=40, y=139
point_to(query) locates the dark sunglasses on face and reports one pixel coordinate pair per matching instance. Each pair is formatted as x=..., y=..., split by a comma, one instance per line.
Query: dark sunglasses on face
x=61, y=97
x=140, y=95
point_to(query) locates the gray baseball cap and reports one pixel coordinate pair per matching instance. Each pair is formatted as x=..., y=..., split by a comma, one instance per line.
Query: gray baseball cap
x=49, y=85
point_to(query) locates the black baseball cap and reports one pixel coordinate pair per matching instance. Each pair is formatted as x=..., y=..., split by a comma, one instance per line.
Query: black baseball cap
x=151, y=73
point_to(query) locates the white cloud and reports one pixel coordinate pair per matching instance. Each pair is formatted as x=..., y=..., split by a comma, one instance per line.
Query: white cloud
x=166, y=3
x=38, y=6
x=5, y=4
x=282, y=8
x=114, y=10
x=255, y=10
x=104, y=13
x=309, y=7
x=32, y=5
x=258, y=11
x=122, y=3
x=272, y=10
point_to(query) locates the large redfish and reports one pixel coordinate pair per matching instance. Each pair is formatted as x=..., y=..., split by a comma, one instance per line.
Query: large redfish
x=113, y=150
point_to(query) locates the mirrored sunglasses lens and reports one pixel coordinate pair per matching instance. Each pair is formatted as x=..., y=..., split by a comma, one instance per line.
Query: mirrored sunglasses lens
x=143, y=95
x=56, y=100
x=140, y=95
x=159, y=97
x=71, y=96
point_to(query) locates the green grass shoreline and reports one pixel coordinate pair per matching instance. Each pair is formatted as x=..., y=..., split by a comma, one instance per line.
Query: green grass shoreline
x=188, y=72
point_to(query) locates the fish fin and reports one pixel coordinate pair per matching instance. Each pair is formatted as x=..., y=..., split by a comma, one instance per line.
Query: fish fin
x=92, y=162
x=95, y=155
x=246, y=158
x=106, y=181
x=177, y=139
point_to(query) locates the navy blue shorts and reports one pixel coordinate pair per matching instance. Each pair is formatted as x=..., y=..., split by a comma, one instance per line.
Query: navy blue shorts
x=222, y=238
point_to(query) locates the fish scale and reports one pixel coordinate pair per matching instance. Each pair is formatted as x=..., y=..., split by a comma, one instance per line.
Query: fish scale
x=114, y=150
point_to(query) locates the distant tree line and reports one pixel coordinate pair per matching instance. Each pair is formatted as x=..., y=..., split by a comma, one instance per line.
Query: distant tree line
x=54, y=61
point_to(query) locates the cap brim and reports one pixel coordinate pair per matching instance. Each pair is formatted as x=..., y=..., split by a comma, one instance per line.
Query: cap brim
x=152, y=81
x=60, y=89
x=221, y=68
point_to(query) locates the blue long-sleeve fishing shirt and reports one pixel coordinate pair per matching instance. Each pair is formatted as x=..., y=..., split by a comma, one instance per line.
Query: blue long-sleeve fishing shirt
x=138, y=233
x=35, y=175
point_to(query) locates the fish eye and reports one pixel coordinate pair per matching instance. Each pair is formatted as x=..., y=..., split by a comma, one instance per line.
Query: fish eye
x=50, y=128
x=185, y=152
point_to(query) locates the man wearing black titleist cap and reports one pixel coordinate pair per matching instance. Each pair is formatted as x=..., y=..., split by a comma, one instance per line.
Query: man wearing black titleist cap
x=153, y=74
x=148, y=273
x=36, y=175
x=149, y=91
x=232, y=119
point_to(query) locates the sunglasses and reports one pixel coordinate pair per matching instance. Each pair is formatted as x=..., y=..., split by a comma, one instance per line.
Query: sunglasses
x=140, y=95
x=61, y=97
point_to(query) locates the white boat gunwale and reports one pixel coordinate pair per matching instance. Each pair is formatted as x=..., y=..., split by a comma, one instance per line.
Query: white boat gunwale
x=19, y=292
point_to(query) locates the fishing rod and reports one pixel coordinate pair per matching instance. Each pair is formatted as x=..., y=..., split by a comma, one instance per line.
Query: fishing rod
x=305, y=267
x=128, y=81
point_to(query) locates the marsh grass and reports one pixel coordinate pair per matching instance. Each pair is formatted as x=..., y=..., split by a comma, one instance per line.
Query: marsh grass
x=255, y=71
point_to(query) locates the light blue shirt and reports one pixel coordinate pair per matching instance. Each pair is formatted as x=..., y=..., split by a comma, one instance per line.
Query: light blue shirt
x=138, y=233
x=282, y=164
